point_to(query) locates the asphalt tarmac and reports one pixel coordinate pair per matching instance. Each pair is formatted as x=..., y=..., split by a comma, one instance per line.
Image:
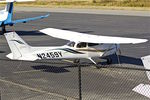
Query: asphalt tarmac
x=58, y=80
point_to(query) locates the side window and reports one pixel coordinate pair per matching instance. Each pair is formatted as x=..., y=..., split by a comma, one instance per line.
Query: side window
x=92, y=44
x=81, y=45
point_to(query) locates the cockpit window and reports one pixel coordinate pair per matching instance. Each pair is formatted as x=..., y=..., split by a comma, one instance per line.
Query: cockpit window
x=92, y=44
x=71, y=44
x=81, y=45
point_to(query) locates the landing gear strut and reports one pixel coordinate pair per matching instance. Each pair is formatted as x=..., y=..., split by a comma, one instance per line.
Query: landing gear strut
x=3, y=29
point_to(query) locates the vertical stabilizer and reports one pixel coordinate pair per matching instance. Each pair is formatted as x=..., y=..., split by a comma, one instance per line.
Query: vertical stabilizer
x=9, y=9
x=18, y=46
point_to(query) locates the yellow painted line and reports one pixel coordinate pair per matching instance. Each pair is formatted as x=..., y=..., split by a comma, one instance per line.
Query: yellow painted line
x=38, y=90
x=19, y=72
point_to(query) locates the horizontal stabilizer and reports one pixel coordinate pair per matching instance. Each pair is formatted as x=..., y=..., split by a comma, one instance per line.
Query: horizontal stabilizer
x=28, y=19
x=81, y=37
x=143, y=89
x=6, y=1
x=10, y=56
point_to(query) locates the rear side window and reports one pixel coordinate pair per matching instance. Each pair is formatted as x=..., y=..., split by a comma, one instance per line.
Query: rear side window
x=92, y=44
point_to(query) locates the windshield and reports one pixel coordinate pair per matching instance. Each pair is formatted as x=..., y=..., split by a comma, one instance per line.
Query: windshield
x=71, y=44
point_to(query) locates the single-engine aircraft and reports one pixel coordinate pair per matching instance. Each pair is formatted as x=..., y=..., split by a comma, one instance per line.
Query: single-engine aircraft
x=80, y=46
x=7, y=14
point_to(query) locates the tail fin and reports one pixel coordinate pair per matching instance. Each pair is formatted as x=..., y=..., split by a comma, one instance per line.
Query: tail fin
x=9, y=10
x=17, y=45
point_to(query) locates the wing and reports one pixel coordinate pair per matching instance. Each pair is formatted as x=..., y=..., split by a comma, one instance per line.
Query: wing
x=80, y=37
x=27, y=19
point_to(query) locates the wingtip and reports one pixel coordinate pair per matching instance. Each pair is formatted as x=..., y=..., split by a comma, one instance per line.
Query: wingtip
x=46, y=15
x=141, y=41
x=145, y=40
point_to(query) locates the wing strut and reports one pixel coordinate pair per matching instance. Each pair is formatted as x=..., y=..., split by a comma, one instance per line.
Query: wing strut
x=92, y=61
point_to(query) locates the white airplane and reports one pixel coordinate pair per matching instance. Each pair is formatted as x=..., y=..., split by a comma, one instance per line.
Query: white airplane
x=144, y=89
x=80, y=46
x=7, y=14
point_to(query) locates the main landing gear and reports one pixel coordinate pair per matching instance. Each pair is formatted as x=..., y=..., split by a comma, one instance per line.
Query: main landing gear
x=109, y=61
x=76, y=61
x=3, y=29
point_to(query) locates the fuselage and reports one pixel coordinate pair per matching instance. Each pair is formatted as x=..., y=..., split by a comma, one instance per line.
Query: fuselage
x=6, y=14
x=78, y=50
x=3, y=15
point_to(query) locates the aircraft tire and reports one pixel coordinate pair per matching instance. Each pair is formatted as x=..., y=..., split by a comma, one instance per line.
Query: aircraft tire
x=109, y=61
x=76, y=61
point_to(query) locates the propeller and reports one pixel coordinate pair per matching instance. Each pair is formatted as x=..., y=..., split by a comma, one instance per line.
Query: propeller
x=118, y=53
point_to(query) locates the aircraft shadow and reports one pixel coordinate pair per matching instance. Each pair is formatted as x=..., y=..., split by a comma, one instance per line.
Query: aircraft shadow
x=2, y=51
x=58, y=68
x=125, y=60
x=24, y=33
x=48, y=68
